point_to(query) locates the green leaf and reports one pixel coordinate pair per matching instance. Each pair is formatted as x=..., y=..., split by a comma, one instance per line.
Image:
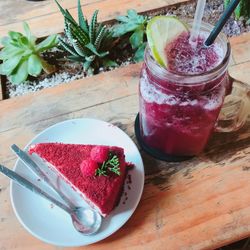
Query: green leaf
x=48, y=43
x=75, y=39
x=15, y=43
x=67, y=47
x=24, y=42
x=136, y=39
x=92, y=27
x=76, y=58
x=69, y=17
x=129, y=23
x=226, y=2
x=79, y=49
x=9, y=52
x=65, y=12
x=90, y=58
x=82, y=21
x=139, y=54
x=34, y=65
x=112, y=164
x=99, y=28
x=109, y=63
x=238, y=10
x=15, y=35
x=9, y=65
x=91, y=47
x=99, y=37
x=5, y=41
x=132, y=13
x=74, y=32
x=86, y=65
x=121, y=29
x=21, y=73
x=108, y=41
x=27, y=30
x=123, y=19
x=31, y=38
x=133, y=16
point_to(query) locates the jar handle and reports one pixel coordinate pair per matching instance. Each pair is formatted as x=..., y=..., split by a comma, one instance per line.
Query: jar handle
x=235, y=109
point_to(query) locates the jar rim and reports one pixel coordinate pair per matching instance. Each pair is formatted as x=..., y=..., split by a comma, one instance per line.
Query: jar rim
x=190, y=79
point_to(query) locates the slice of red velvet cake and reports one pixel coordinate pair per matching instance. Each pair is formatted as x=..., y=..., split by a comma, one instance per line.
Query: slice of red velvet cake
x=96, y=171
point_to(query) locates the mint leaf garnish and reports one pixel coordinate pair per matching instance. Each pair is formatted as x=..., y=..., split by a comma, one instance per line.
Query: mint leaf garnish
x=112, y=164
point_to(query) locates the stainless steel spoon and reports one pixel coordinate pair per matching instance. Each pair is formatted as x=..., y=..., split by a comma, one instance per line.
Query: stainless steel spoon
x=85, y=220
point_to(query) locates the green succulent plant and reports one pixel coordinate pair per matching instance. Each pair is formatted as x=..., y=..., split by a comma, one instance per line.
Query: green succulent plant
x=135, y=25
x=21, y=55
x=243, y=8
x=87, y=42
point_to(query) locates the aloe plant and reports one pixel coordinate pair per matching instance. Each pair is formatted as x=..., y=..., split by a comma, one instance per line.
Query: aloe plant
x=243, y=8
x=21, y=55
x=135, y=25
x=86, y=42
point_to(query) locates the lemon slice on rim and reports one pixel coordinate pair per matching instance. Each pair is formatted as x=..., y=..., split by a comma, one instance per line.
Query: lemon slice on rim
x=160, y=31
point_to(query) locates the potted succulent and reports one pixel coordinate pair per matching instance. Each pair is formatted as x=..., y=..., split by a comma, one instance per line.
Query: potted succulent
x=21, y=55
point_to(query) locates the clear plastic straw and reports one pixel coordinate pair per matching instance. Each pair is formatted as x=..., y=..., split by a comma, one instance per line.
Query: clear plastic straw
x=197, y=22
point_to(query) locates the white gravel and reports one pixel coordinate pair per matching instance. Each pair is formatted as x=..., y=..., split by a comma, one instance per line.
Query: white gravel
x=56, y=79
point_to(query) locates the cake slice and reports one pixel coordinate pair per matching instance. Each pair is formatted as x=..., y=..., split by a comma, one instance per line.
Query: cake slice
x=97, y=172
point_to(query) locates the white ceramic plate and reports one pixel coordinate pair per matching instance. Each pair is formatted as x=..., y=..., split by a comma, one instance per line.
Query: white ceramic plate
x=51, y=224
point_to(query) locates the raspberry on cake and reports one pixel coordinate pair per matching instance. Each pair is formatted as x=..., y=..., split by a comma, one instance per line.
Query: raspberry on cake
x=89, y=167
x=97, y=172
x=99, y=154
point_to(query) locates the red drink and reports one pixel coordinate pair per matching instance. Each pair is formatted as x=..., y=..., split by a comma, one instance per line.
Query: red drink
x=179, y=106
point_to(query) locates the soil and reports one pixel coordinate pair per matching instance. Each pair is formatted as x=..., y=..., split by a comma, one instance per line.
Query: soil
x=69, y=71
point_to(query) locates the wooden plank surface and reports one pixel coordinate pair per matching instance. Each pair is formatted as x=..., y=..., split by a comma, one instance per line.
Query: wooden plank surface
x=30, y=9
x=202, y=203
x=241, y=48
x=44, y=18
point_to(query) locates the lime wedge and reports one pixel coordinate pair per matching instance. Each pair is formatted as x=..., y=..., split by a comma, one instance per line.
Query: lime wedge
x=160, y=31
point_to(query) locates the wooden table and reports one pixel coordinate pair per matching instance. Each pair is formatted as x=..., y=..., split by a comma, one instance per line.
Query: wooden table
x=203, y=203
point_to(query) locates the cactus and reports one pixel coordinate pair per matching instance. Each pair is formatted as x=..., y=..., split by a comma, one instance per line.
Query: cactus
x=86, y=42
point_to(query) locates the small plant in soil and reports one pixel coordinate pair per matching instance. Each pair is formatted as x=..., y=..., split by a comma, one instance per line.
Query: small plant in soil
x=133, y=25
x=87, y=42
x=21, y=55
x=243, y=8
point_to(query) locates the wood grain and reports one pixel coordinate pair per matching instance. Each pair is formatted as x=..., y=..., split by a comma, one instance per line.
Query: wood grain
x=202, y=203
x=28, y=10
x=199, y=204
x=50, y=21
x=198, y=197
x=241, y=48
x=241, y=72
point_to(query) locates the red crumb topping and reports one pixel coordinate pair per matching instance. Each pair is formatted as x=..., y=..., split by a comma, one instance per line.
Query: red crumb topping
x=103, y=191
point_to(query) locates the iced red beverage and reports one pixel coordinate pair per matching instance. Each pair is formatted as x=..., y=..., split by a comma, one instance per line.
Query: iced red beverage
x=179, y=105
